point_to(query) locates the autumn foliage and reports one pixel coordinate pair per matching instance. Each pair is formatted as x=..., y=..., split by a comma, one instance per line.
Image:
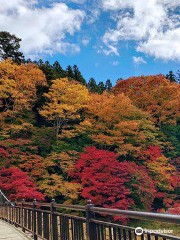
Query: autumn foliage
x=154, y=94
x=113, y=184
x=117, y=124
x=165, y=175
x=24, y=155
x=65, y=100
x=17, y=185
x=119, y=147
x=18, y=87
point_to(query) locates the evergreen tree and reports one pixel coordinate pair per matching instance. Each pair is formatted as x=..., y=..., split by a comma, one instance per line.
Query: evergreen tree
x=101, y=87
x=92, y=86
x=70, y=73
x=78, y=76
x=58, y=71
x=108, y=85
x=40, y=62
x=9, y=47
x=47, y=70
x=171, y=76
x=172, y=134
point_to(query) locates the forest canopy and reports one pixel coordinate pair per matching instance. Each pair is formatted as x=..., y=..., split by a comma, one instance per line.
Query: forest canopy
x=63, y=138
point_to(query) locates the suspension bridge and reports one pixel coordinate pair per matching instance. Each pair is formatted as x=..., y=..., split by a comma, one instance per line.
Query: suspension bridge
x=52, y=221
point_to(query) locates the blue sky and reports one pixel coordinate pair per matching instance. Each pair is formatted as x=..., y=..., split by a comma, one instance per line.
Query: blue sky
x=107, y=39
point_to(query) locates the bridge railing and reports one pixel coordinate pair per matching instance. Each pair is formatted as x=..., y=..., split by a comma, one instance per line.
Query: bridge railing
x=52, y=221
x=3, y=198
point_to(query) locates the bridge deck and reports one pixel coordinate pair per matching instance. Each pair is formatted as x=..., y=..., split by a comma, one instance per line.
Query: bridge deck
x=9, y=232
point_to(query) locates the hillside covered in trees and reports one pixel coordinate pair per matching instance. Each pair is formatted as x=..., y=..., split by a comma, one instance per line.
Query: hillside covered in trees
x=63, y=138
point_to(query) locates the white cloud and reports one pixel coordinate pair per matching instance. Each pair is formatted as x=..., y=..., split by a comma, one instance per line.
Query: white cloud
x=43, y=30
x=153, y=24
x=86, y=41
x=165, y=46
x=94, y=15
x=115, y=63
x=77, y=1
x=109, y=51
x=139, y=60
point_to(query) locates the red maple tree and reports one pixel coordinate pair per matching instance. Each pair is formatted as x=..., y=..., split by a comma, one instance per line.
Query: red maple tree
x=113, y=184
x=17, y=185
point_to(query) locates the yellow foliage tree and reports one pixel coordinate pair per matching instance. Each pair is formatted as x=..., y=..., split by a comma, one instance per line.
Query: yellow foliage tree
x=18, y=87
x=59, y=184
x=64, y=160
x=162, y=171
x=65, y=100
x=54, y=185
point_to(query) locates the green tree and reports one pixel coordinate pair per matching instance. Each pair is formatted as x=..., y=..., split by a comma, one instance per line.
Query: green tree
x=47, y=70
x=70, y=73
x=171, y=76
x=92, y=86
x=108, y=85
x=52, y=72
x=9, y=47
x=78, y=76
x=101, y=87
x=58, y=70
x=172, y=134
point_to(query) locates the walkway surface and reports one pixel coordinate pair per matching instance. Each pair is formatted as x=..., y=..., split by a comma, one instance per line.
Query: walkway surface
x=10, y=233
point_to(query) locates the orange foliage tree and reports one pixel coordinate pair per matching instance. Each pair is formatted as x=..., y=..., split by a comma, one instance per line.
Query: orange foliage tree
x=18, y=87
x=154, y=94
x=50, y=173
x=115, y=123
x=23, y=154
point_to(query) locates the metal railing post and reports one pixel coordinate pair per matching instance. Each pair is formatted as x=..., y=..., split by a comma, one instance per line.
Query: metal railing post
x=1, y=199
x=6, y=211
x=0, y=209
x=90, y=226
x=53, y=219
x=3, y=206
x=22, y=215
x=34, y=220
x=15, y=214
x=9, y=217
